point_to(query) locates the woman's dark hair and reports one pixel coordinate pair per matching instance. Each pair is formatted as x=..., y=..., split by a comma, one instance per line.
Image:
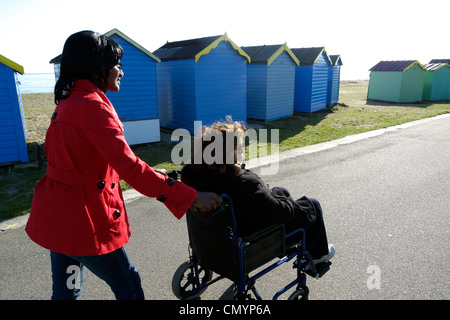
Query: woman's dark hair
x=86, y=55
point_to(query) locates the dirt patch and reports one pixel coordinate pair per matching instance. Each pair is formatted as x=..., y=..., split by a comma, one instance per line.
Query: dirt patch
x=38, y=109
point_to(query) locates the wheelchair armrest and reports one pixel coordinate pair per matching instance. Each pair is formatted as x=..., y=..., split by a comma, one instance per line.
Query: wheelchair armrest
x=262, y=233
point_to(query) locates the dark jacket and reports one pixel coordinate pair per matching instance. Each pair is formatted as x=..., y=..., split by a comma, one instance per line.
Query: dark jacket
x=256, y=206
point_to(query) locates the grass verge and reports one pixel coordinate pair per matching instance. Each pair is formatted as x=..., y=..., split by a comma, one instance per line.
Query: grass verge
x=353, y=114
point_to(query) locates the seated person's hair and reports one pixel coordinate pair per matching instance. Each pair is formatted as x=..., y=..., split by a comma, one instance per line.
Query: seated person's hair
x=228, y=129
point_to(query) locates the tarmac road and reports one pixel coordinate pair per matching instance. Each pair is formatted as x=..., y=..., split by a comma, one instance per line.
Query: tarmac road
x=386, y=203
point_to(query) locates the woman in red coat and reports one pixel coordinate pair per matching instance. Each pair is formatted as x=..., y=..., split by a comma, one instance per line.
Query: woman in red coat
x=78, y=211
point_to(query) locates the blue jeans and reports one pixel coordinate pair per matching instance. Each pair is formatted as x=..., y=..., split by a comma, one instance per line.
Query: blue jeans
x=114, y=268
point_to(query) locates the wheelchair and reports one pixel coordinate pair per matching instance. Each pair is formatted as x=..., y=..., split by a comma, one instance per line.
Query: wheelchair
x=216, y=247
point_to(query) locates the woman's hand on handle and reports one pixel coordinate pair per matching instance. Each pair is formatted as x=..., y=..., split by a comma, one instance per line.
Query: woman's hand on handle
x=207, y=201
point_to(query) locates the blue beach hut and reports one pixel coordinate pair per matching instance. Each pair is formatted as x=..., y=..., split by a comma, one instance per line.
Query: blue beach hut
x=311, y=79
x=13, y=133
x=202, y=79
x=436, y=84
x=334, y=80
x=137, y=101
x=270, y=82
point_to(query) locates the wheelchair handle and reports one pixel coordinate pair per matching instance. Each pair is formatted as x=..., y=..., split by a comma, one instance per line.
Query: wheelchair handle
x=174, y=174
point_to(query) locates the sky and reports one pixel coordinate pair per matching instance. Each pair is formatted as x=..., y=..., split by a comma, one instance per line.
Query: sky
x=363, y=32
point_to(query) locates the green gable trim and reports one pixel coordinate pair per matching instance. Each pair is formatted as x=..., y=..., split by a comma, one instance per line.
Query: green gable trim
x=13, y=65
x=216, y=43
x=283, y=48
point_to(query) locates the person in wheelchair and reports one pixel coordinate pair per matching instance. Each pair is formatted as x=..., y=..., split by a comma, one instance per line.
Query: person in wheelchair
x=256, y=206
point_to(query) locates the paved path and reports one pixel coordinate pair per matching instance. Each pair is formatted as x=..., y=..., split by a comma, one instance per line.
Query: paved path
x=386, y=204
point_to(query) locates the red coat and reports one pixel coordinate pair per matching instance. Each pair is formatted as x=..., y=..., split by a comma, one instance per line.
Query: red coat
x=78, y=208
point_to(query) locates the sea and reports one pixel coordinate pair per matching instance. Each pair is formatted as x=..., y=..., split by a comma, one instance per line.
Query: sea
x=37, y=82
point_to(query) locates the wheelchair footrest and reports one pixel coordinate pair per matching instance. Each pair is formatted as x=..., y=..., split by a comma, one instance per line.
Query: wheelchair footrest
x=321, y=269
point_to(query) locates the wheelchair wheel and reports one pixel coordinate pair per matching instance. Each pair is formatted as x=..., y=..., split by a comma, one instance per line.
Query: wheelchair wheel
x=299, y=294
x=184, y=282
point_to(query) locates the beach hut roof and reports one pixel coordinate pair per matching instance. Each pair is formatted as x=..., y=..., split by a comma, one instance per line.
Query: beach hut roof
x=56, y=59
x=132, y=42
x=268, y=54
x=309, y=56
x=123, y=36
x=440, y=61
x=398, y=65
x=336, y=60
x=194, y=48
x=13, y=65
x=435, y=66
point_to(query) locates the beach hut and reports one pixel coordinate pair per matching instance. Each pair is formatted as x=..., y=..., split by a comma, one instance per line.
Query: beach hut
x=437, y=81
x=396, y=81
x=56, y=61
x=270, y=82
x=202, y=79
x=137, y=101
x=13, y=132
x=334, y=80
x=311, y=79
